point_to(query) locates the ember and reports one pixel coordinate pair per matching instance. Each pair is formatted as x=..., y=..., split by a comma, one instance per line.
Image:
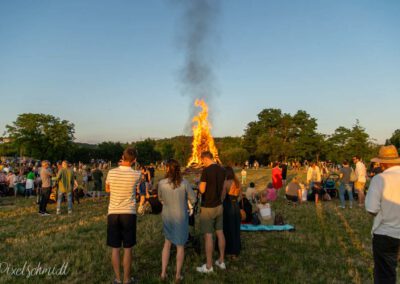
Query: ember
x=202, y=138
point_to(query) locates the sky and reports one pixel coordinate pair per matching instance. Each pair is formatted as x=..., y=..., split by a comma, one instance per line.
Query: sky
x=113, y=67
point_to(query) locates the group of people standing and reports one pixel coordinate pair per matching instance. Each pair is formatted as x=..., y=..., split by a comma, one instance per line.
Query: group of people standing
x=219, y=213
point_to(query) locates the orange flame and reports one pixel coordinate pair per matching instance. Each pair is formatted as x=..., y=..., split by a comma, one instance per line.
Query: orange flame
x=202, y=138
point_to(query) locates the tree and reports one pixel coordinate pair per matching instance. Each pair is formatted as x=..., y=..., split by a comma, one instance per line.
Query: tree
x=395, y=139
x=146, y=152
x=167, y=151
x=279, y=136
x=110, y=151
x=41, y=136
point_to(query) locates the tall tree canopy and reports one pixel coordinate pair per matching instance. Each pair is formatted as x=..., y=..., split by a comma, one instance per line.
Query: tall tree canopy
x=41, y=136
x=279, y=136
x=395, y=139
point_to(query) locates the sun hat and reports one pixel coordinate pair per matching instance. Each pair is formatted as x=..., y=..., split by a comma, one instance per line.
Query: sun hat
x=388, y=155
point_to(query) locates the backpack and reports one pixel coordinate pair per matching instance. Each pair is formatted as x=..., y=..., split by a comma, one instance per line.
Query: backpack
x=279, y=220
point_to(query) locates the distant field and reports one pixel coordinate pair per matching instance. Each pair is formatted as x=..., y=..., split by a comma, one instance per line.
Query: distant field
x=329, y=245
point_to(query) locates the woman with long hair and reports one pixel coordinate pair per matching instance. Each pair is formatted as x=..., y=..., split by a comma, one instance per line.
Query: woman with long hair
x=231, y=193
x=174, y=192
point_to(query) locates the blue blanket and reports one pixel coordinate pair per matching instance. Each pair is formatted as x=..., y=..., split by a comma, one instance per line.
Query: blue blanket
x=253, y=228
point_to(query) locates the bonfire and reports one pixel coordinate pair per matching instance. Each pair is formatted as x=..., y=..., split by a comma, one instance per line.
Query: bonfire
x=202, y=138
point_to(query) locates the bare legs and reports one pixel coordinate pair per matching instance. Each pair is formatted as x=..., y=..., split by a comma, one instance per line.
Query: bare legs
x=210, y=247
x=221, y=245
x=180, y=256
x=127, y=263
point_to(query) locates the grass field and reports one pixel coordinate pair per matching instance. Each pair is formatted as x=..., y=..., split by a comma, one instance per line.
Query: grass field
x=330, y=245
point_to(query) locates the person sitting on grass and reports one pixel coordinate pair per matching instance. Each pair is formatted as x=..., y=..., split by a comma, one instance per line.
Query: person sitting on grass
x=293, y=191
x=251, y=192
x=264, y=210
x=271, y=192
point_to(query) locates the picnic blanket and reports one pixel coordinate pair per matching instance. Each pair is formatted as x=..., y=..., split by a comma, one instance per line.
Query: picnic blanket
x=270, y=228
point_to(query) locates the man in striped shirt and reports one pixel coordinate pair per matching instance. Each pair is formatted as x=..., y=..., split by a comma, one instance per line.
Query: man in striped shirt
x=121, y=183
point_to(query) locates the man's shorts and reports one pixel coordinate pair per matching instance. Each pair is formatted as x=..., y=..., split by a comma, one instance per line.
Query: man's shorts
x=121, y=230
x=211, y=219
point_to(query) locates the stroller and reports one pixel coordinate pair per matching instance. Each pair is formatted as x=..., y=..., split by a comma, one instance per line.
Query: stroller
x=194, y=240
x=329, y=185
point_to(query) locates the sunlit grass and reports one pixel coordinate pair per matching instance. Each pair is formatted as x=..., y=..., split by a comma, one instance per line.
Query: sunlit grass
x=330, y=245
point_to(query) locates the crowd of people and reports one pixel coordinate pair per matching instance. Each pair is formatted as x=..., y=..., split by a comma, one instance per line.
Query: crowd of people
x=224, y=202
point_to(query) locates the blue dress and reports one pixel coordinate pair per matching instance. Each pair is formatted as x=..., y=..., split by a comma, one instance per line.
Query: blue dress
x=174, y=214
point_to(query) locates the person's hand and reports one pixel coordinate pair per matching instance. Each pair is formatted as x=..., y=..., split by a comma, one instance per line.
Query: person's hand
x=147, y=195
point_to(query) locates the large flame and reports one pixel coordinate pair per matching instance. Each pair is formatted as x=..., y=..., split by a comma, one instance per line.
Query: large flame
x=202, y=138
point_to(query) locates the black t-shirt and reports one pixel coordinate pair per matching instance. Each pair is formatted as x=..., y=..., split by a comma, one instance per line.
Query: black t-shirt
x=214, y=176
x=152, y=171
x=284, y=171
x=97, y=175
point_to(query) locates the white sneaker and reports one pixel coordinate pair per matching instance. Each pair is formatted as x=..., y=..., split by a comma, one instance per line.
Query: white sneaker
x=204, y=269
x=221, y=265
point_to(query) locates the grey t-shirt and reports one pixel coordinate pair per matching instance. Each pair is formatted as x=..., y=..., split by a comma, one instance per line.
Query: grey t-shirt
x=346, y=171
x=45, y=176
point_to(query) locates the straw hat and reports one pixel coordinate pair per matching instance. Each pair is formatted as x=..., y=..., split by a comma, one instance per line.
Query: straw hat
x=388, y=155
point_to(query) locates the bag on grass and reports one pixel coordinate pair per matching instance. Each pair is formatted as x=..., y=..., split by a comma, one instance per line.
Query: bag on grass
x=279, y=220
x=255, y=219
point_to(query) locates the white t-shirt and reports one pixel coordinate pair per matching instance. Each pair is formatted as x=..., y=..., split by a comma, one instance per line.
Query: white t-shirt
x=249, y=193
x=265, y=211
x=123, y=181
x=383, y=199
x=361, y=172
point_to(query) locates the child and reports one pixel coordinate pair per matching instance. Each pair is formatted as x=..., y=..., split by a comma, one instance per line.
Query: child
x=264, y=209
x=271, y=192
x=143, y=190
x=244, y=176
x=29, y=183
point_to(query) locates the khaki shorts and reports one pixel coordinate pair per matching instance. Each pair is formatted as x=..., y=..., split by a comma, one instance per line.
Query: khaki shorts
x=211, y=219
x=359, y=185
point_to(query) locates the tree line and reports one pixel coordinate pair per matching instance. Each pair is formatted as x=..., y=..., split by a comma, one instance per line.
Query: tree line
x=274, y=136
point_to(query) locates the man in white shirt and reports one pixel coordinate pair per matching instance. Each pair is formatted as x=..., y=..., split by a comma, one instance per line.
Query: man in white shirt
x=361, y=175
x=121, y=219
x=383, y=201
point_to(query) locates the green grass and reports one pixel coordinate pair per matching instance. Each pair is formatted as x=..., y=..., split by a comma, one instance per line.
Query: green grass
x=328, y=246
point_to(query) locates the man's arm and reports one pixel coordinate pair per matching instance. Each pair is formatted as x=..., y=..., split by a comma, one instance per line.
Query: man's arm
x=202, y=187
x=374, y=196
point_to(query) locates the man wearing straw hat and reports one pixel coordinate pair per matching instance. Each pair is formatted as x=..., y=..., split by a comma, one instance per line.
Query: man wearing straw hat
x=383, y=201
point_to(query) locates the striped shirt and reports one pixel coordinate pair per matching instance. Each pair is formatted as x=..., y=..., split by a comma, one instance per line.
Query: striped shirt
x=123, y=181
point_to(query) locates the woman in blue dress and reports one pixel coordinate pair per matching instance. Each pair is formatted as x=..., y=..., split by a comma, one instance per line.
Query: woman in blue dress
x=174, y=192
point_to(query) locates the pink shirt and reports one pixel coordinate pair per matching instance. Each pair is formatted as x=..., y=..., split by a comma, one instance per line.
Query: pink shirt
x=271, y=194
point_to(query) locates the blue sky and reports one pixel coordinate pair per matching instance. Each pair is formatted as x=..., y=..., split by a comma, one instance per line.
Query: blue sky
x=112, y=67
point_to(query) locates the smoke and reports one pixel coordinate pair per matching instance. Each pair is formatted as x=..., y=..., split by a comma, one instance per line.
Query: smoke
x=199, y=35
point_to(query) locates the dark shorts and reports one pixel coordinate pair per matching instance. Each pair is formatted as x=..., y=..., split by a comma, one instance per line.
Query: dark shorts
x=98, y=186
x=292, y=198
x=121, y=230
